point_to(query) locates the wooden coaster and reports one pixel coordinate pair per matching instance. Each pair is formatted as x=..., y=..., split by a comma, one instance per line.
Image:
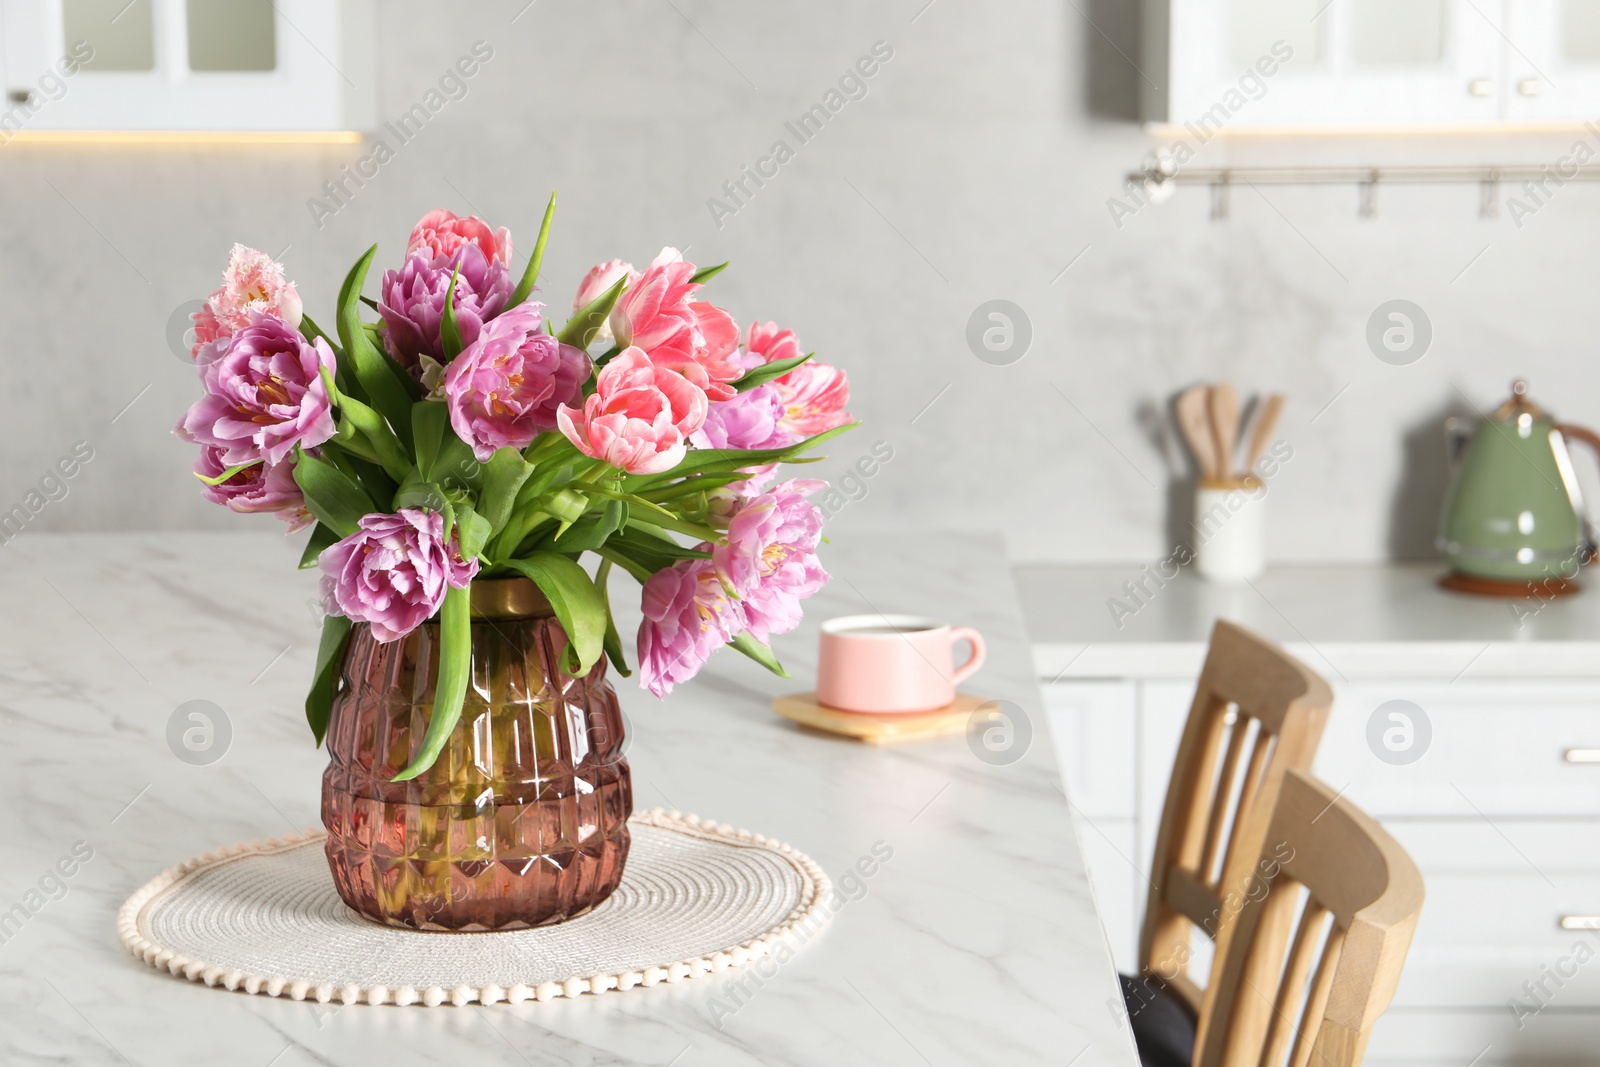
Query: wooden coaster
x=879, y=728
x=1545, y=588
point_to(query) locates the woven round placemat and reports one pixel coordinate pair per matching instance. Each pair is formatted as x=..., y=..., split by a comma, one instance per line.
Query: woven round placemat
x=696, y=897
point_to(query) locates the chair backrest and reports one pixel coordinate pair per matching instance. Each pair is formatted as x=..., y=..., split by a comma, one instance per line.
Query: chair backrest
x=1288, y=995
x=1257, y=713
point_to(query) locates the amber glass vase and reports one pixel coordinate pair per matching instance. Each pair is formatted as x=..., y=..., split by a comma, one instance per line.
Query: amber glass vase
x=522, y=821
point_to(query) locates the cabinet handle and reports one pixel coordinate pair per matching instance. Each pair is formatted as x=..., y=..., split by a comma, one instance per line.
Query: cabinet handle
x=1480, y=87
x=1582, y=755
x=1580, y=922
x=1530, y=87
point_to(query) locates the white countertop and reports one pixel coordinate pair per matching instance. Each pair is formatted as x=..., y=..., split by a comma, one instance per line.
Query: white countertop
x=976, y=943
x=1379, y=621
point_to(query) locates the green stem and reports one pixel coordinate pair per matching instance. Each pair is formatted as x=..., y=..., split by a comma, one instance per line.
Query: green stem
x=455, y=668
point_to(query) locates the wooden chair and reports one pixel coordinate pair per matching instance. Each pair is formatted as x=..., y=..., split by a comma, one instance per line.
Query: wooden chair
x=1309, y=994
x=1257, y=714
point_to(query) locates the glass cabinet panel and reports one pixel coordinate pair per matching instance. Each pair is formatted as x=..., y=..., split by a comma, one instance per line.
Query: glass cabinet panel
x=1397, y=32
x=121, y=32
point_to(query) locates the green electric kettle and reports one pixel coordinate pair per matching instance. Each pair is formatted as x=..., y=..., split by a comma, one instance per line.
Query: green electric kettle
x=1513, y=514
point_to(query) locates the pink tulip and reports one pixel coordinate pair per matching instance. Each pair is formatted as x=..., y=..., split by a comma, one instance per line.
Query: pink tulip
x=768, y=344
x=441, y=232
x=687, y=616
x=813, y=396
x=505, y=387
x=654, y=313
x=252, y=282
x=600, y=278
x=639, y=418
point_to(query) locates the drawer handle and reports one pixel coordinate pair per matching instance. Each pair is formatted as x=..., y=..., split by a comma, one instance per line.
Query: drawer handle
x=1582, y=755
x=1580, y=922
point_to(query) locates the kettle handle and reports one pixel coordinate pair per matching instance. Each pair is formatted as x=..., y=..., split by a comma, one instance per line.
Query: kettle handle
x=1592, y=439
x=1588, y=437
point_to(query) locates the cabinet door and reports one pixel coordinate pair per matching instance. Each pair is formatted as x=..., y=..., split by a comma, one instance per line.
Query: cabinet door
x=1093, y=729
x=1554, y=60
x=1363, y=63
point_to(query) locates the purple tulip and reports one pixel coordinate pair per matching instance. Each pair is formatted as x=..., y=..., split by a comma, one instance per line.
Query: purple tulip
x=687, y=616
x=770, y=560
x=411, y=302
x=393, y=572
x=263, y=487
x=505, y=387
x=264, y=394
x=748, y=420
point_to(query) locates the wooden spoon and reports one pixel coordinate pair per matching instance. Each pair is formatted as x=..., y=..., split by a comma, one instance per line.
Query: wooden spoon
x=1266, y=421
x=1195, y=422
x=1224, y=409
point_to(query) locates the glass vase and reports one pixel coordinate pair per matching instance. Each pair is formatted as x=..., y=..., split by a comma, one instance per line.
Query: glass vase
x=522, y=821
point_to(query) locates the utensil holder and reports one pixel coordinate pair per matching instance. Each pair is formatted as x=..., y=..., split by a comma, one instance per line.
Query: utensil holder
x=1230, y=530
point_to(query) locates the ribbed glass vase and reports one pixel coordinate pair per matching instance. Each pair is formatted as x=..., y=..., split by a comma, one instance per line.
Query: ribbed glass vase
x=523, y=820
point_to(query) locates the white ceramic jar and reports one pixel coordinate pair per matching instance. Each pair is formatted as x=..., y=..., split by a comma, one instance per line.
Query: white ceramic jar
x=1230, y=530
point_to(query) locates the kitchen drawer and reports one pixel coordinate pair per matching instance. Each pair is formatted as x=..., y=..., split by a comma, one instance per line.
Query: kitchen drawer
x=1485, y=1039
x=1092, y=726
x=1495, y=749
x=1491, y=928
x=1119, y=887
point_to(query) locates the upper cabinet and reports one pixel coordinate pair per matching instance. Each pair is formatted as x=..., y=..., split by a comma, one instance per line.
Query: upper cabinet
x=187, y=65
x=1243, y=64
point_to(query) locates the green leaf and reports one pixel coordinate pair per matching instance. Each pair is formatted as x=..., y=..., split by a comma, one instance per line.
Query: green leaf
x=474, y=530
x=386, y=447
x=769, y=372
x=612, y=552
x=311, y=331
x=701, y=483
x=503, y=478
x=325, y=681
x=581, y=328
x=727, y=460
x=531, y=276
x=579, y=607
x=613, y=641
x=321, y=537
x=591, y=532
x=415, y=492
x=449, y=332
x=450, y=689
x=225, y=475
x=705, y=274
x=389, y=388
x=430, y=421
x=758, y=652
x=333, y=497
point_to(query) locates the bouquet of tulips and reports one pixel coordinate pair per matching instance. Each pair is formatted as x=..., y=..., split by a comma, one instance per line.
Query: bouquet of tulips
x=464, y=435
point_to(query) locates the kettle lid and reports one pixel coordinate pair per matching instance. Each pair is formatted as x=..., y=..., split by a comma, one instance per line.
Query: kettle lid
x=1518, y=405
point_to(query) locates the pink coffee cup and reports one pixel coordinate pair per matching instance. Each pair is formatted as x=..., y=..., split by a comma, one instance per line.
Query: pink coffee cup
x=892, y=663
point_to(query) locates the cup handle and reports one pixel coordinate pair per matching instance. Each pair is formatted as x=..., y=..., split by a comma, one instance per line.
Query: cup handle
x=974, y=661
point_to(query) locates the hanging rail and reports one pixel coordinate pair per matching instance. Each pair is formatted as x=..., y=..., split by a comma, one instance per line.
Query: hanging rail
x=1157, y=181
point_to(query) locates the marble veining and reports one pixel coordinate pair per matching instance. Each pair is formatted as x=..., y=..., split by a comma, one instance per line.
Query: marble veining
x=977, y=942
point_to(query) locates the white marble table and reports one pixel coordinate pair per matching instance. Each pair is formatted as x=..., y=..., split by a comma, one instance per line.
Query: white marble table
x=977, y=943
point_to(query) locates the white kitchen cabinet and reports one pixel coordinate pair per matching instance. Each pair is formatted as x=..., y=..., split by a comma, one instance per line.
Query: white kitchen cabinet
x=1500, y=808
x=1216, y=65
x=279, y=66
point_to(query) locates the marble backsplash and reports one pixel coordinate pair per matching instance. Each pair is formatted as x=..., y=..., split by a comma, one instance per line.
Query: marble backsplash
x=975, y=164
